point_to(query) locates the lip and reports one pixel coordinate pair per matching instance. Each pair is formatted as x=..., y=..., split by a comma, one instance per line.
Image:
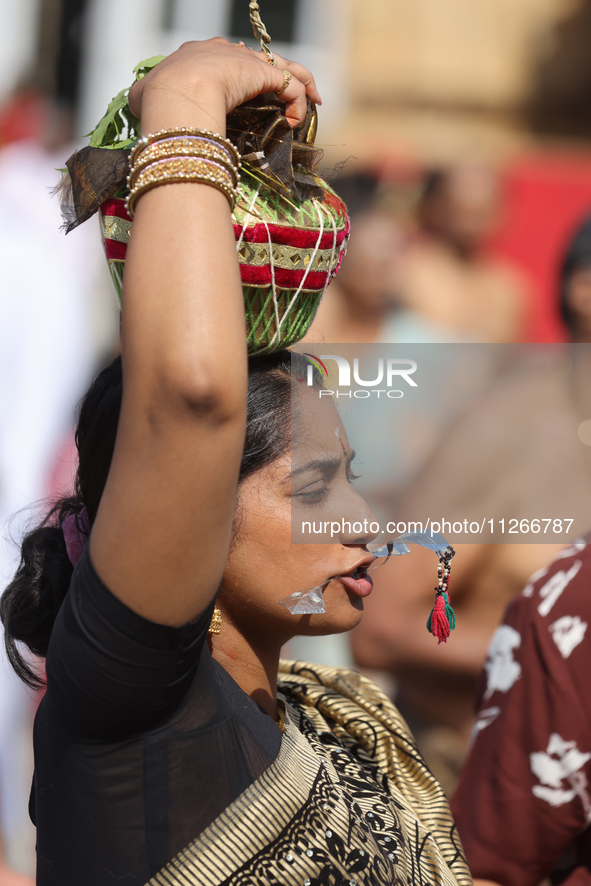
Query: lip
x=361, y=585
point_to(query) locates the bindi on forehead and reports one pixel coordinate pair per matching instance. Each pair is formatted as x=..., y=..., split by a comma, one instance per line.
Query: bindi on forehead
x=338, y=436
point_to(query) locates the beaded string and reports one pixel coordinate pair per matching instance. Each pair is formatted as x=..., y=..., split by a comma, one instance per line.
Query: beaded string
x=442, y=618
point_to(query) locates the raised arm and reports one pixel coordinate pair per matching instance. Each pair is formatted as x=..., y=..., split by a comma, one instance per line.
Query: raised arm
x=162, y=532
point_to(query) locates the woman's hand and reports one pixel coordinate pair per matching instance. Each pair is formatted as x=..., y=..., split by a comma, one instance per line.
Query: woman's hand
x=204, y=80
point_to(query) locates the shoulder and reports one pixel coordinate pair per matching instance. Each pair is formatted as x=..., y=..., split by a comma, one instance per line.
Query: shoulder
x=557, y=590
x=544, y=627
x=111, y=672
x=537, y=660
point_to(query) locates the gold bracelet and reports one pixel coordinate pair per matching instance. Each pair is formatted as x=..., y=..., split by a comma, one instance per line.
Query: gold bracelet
x=179, y=179
x=186, y=165
x=168, y=149
x=177, y=170
x=188, y=131
x=180, y=143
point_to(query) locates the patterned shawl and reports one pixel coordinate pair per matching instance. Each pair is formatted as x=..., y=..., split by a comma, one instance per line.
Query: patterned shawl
x=349, y=801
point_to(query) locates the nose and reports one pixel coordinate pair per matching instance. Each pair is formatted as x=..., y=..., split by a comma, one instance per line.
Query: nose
x=358, y=523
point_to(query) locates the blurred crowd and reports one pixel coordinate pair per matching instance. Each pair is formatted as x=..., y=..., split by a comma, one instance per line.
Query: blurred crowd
x=436, y=256
x=429, y=262
x=58, y=323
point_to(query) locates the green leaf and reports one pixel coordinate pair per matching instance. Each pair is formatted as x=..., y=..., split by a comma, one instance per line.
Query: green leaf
x=106, y=131
x=118, y=119
x=143, y=68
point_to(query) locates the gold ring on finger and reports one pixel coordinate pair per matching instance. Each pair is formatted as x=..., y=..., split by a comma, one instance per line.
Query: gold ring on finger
x=286, y=81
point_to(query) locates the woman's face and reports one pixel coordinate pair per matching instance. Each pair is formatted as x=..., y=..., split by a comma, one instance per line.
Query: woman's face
x=312, y=482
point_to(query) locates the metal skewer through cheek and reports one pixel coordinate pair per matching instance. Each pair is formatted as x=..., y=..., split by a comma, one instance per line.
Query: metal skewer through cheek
x=311, y=602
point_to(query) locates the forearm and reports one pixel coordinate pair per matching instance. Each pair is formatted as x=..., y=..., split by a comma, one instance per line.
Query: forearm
x=172, y=483
x=183, y=413
x=162, y=532
x=183, y=319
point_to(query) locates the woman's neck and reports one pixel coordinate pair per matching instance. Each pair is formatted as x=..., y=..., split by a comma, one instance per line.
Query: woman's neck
x=254, y=669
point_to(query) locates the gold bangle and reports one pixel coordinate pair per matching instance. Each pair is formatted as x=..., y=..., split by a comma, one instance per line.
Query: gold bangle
x=161, y=170
x=185, y=144
x=190, y=145
x=168, y=149
x=186, y=130
x=190, y=165
x=185, y=169
x=179, y=179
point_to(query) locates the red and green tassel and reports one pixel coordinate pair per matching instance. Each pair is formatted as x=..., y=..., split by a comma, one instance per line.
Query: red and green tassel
x=442, y=619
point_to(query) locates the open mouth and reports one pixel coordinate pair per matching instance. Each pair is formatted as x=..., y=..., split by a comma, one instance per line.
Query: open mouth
x=311, y=601
x=357, y=581
x=361, y=570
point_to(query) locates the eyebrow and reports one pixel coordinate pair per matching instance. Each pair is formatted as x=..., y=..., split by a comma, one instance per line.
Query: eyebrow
x=324, y=464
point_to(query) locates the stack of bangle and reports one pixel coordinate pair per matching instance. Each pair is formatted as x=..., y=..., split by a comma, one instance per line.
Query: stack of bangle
x=183, y=155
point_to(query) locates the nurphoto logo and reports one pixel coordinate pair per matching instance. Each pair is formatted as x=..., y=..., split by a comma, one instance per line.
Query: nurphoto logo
x=389, y=372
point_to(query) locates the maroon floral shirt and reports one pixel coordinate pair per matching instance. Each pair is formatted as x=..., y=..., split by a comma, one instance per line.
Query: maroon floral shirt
x=523, y=805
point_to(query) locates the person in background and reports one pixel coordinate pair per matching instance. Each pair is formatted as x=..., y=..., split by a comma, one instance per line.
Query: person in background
x=362, y=304
x=531, y=745
x=435, y=685
x=444, y=274
x=544, y=403
x=52, y=314
x=16, y=713
x=523, y=804
x=575, y=285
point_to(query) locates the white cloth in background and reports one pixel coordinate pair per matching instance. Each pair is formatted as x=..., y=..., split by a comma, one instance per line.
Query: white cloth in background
x=47, y=356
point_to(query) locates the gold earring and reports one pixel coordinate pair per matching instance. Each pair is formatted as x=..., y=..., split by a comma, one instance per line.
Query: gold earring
x=215, y=625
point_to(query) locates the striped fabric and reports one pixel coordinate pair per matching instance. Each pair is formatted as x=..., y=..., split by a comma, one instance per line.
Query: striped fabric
x=287, y=255
x=348, y=801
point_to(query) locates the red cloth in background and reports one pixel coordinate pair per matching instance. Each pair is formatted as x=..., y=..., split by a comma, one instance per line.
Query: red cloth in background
x=547, y=196
x=522, y=805
x=23, y=115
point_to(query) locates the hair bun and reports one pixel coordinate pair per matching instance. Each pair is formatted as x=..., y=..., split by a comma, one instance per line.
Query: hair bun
x=31, y=601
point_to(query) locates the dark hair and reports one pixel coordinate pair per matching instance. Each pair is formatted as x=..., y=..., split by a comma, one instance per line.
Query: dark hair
x=577, y=256
x=30, y=603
